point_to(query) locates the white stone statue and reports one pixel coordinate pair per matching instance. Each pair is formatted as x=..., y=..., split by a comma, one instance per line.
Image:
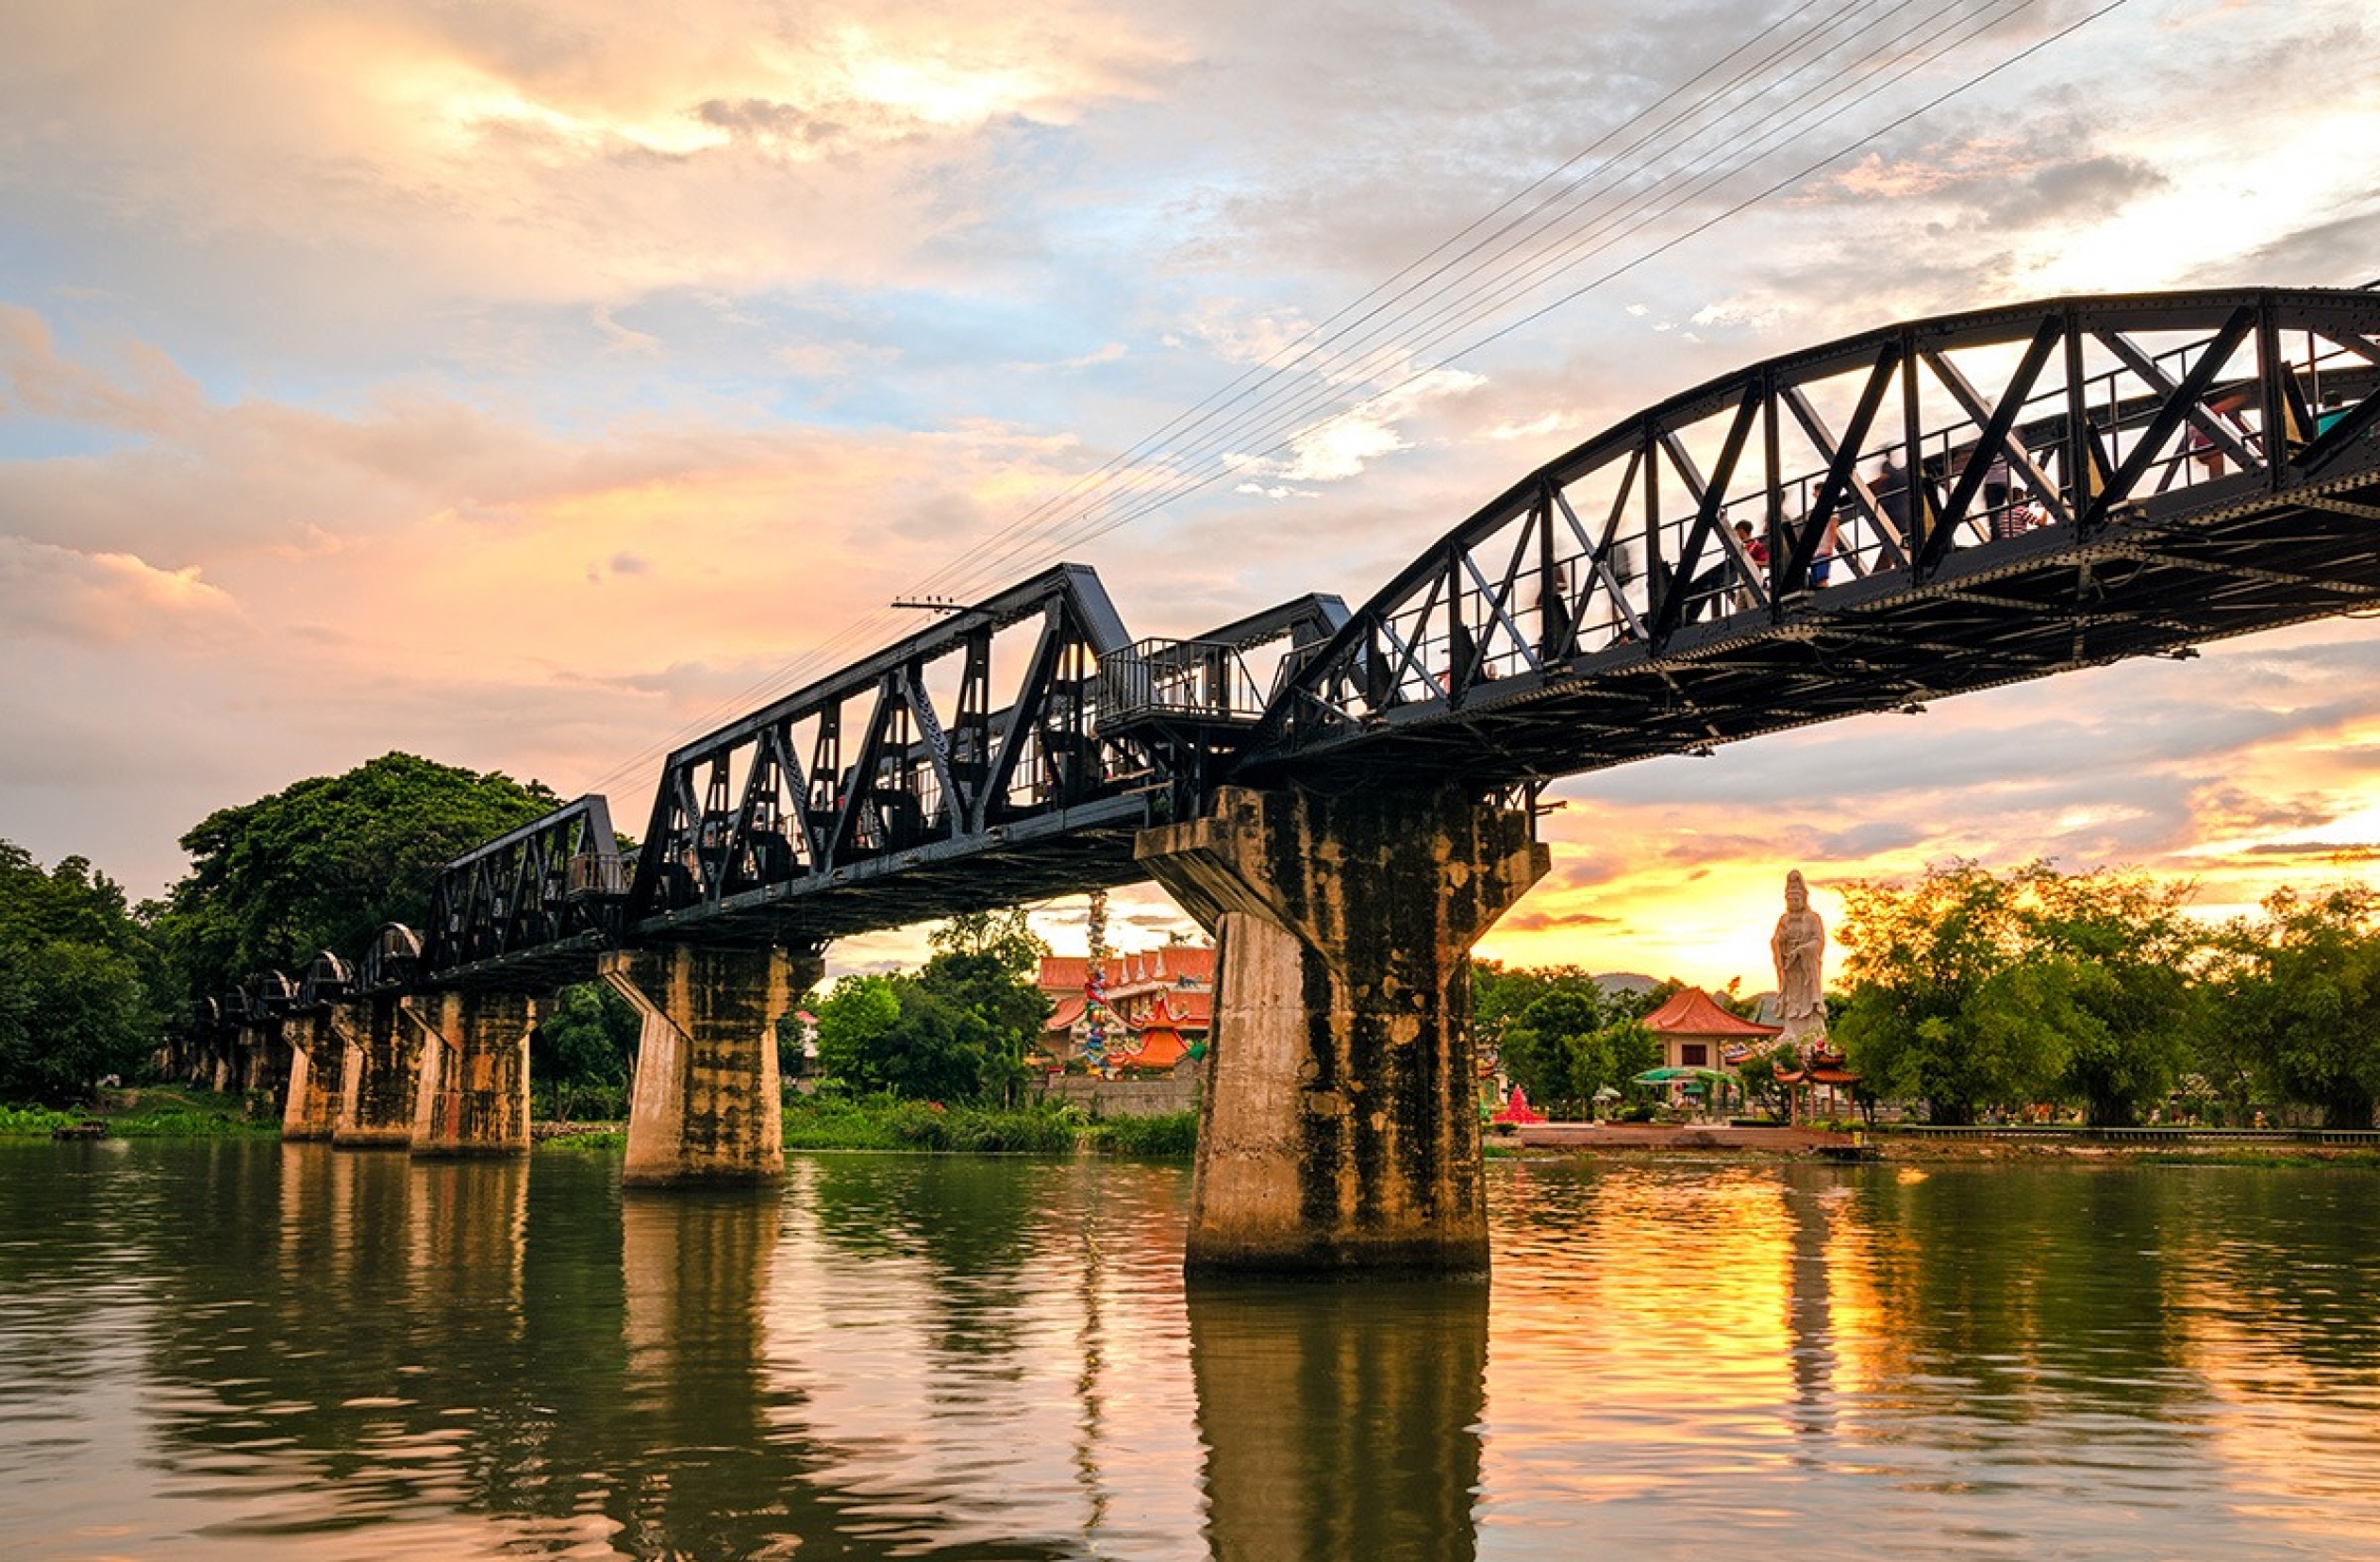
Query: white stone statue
x=1799, y=946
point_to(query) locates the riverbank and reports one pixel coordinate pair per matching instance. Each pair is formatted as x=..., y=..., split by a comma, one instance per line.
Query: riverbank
x=162, y=1111
x=177, y=1112
x=921, y=1126
x=2250, y=1147
x=167, y=1111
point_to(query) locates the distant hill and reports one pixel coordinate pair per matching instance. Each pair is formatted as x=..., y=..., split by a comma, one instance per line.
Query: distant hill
x=1639, y=984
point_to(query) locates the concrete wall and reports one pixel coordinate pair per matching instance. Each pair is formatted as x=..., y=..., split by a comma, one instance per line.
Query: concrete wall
x=1173, y=1092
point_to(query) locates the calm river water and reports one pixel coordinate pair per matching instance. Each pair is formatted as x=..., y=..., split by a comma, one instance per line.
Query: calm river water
x=257, y=1351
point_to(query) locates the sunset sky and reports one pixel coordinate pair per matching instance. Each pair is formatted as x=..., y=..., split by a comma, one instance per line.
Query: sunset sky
x=533, y=386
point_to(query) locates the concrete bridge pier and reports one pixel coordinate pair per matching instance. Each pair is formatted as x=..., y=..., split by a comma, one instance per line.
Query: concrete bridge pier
x=1340, y=1126
x=317, y=1063
x=470, y=1095
x=382, y=1043
x=260, y=1057
x=706, y=1105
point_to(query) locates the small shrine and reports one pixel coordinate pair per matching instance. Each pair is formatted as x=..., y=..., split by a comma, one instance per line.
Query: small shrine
x=1695, y=1033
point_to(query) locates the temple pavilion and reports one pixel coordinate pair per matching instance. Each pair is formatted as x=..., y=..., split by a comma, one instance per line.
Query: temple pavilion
x=1696, y=1033
x=1160, y=1006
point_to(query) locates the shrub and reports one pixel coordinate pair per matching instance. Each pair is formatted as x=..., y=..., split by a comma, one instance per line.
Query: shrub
x=1170, y=1135
x=33, y=1121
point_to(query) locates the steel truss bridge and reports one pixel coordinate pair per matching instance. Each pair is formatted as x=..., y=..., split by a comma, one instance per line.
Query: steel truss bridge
x=1939, y=506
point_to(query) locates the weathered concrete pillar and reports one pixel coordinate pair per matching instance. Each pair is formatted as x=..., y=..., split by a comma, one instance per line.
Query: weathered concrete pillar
x=706, y=1105
x=382, y=1042
x=263, y=1058
x=472, y=1093
x=1339, y=1128
x=318, y=1062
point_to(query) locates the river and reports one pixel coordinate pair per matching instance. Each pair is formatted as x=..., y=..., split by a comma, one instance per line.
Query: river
x=218, y=1351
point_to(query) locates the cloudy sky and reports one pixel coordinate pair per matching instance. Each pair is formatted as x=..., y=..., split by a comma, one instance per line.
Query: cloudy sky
x=534, y=383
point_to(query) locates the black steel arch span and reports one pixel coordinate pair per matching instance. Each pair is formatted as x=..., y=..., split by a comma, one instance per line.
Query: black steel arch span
x=2083, y=479
x=2080, y=481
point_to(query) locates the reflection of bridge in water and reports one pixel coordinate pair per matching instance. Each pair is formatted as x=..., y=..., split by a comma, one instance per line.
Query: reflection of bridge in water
x=1345, y=797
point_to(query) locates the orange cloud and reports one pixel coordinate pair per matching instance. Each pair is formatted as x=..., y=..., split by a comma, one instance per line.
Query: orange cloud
x=105, y=599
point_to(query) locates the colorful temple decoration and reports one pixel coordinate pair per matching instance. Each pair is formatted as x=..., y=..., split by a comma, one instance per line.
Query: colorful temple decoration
x=1095, y=1017
x=1517, y=1110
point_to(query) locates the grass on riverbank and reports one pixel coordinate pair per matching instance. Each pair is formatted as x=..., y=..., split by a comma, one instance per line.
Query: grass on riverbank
x=1047, y=1130
x=912, y=1125
x=152, y=1111
x=174, y=1112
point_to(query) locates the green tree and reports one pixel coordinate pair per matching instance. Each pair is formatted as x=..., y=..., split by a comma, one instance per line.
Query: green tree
x=1759, y=1075
x=582, y=1047
x=853, y=1022
x=2294, y=1002
x=2105, y=966
x=1633, y=1048
x=324, y=862
x=896, y=1034
x=987, y=964
x=1550, y=1049
x=1500, y=992
x=940, y=1050
x=77, y=999
x=1004, y=938
x=1970, y=989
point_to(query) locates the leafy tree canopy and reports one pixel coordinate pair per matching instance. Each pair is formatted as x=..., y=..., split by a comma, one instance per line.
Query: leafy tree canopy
x=585, y=1039
x=78, y=993
x=955, y=1030
x=1972, y=988
x=892, y=1034
x=1003, y=940
x=1499, y=992
x=2292, y=1002
x=322, y=863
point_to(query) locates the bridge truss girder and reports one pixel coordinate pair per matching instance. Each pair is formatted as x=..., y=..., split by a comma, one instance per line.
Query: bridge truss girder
x=963, y=767
x=530, y=906
x=2080, y=480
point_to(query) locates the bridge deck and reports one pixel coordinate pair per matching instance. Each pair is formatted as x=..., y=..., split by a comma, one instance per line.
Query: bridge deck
x=1997, y=496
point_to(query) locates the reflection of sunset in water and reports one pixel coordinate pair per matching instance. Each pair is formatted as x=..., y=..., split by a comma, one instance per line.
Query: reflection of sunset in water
x=296, y=1355
x=2288, y=1352
x=1649, y=1296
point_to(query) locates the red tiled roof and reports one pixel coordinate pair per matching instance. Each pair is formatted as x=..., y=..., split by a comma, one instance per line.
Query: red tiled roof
x=1168, y=968
x=1691, y=1012
x=1160, y=1048
x=1193, y=1009
x=1067, y=973
x=1063, y=1018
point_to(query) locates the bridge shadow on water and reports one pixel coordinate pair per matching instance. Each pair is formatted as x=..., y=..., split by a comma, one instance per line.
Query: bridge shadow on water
x=1339, y=1420
x=467, y=1358
x=242, y=1351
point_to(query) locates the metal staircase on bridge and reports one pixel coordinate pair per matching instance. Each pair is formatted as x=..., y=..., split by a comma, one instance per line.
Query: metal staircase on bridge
x=2080, y=481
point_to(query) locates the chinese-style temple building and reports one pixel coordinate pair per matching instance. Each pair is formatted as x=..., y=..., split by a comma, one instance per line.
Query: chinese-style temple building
x=1696, y=1033
x=1160, y=1006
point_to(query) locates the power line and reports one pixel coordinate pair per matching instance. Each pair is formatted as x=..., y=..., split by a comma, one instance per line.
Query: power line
x=1124, y=489
x=1651, y=206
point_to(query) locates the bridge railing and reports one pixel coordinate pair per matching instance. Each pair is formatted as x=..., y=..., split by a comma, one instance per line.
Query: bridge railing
x=1869, y=461
x=527, y=889
x=958, y=738
x=1201, y=681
